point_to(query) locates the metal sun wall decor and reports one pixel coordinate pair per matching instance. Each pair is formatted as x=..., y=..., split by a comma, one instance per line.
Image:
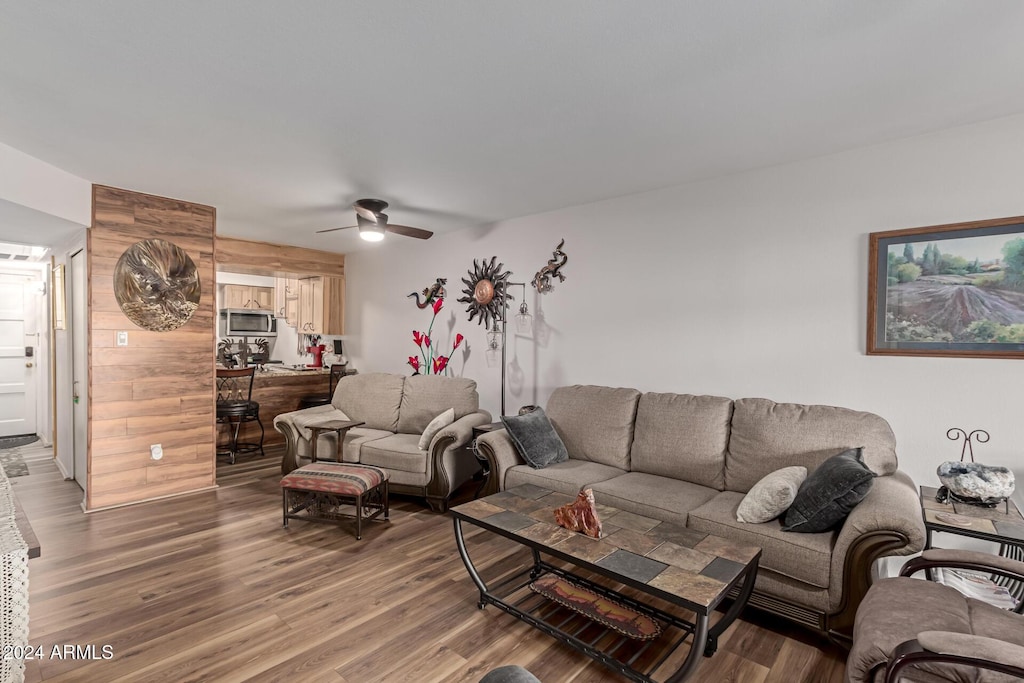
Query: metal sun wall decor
x=542, y=280
x=156, y=285
x=485, y=291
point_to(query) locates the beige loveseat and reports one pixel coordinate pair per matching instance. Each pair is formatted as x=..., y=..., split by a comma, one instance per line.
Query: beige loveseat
x=690, y=459
x=396, y=410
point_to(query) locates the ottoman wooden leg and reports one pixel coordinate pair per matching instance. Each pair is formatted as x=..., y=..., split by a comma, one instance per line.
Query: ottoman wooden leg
x=359, y=518
x=387, y=504
x=284, y=496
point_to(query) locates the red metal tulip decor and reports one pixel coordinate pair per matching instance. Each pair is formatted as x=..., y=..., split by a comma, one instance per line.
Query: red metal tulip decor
x=432, y=361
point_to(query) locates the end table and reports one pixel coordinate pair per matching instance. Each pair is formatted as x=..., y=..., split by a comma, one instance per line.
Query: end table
x=485, y=464
x=337, y=426
x=999, y=525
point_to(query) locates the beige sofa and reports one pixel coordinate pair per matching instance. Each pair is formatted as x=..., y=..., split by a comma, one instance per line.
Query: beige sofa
x=690, y=459
x=396, y=410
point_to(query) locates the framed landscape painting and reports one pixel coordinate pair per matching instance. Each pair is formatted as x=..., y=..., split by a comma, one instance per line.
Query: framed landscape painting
x=948, y=290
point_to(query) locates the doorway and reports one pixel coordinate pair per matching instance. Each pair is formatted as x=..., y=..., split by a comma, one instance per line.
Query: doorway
x=79, y=367
x=18, y=372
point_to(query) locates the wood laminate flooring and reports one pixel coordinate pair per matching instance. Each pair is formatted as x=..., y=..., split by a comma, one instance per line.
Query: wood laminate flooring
x=210, y=587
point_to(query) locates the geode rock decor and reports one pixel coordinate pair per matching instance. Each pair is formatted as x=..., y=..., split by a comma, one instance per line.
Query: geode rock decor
x=580, y=515
x=156, y=285
x=972, y=482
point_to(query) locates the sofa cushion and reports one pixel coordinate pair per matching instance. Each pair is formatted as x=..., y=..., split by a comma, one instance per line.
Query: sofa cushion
x=373, y=398
x=302, y=419
x=434, y=426
x=396, y=452
x=425, y=396
x=649, y=495
x=595, y=423
x=565, y=477
x=767, y=436
x=682, y=436
x=535, y=439
x=770, y=497
x=354, y=439
x=826, y=497
x=804, y=557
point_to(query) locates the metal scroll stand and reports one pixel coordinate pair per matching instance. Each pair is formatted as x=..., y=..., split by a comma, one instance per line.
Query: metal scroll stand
x=955, y=434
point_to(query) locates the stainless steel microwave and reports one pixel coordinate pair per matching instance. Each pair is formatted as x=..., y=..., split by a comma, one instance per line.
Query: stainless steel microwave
x=247, y=322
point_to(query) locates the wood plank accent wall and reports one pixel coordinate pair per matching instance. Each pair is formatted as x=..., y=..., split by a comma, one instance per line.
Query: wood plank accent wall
x=264, y=258
x=161, y=387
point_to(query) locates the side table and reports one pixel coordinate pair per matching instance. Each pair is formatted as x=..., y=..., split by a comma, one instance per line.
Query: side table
x=340, y=427
x=485, y=464
x=1004, y=526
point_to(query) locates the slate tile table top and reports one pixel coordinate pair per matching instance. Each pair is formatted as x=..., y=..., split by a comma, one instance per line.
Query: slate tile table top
x=690, y=569
x=1001, y=524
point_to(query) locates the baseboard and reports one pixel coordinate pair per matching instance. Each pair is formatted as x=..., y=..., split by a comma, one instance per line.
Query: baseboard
x=63, y=472
x=150, y=500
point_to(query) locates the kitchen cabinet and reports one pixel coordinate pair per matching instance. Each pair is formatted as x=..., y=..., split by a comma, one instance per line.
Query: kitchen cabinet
x=321, y=306
x=286, y=299
x=246, y=296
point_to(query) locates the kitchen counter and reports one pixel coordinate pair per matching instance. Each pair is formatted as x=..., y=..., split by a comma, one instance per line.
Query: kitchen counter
x=288, y=371
x=278, y=391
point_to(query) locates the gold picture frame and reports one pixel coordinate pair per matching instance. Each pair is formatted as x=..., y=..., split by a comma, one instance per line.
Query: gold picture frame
x=57, y=298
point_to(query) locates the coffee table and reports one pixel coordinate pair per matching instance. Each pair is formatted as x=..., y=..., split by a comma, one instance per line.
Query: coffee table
x=685, y=568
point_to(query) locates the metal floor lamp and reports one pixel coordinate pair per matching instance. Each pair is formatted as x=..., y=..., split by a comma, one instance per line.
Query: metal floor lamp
x=524, y=325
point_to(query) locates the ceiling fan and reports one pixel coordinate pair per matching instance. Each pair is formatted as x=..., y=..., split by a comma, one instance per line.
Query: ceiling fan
x=373, y=222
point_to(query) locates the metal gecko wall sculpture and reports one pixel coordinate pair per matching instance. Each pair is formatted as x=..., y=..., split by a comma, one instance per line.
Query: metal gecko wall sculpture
x=542, y=280
x=434, y=291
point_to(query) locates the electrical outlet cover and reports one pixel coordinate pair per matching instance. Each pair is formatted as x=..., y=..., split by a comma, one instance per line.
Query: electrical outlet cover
x=156, y=451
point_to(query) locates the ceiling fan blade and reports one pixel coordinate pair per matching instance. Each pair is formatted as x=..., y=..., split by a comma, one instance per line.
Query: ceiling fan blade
x=347, y=227
x=418, y=233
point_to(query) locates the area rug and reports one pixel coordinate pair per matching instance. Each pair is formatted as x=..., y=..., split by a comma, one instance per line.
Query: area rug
x=596, y=607
x=15, y=441
x=13, y=463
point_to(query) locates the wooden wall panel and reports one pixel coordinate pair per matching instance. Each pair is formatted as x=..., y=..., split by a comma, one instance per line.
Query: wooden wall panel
x=160, y=388
x=264, y=258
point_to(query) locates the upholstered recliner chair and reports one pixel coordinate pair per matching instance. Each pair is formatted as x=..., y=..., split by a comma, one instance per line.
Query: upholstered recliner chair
x=912, y=630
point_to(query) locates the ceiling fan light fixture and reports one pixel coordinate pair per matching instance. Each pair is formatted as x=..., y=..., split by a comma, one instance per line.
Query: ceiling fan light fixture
x=373, y=233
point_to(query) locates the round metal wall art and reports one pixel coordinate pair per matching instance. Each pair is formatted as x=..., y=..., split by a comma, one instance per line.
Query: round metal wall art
x=156, y=285
x=485, y=291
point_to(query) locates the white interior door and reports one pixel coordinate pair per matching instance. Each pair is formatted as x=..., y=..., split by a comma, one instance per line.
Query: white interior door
x=17, y=373
x=80, y=366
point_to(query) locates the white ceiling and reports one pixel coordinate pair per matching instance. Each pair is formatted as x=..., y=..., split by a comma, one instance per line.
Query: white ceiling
x=280, y=114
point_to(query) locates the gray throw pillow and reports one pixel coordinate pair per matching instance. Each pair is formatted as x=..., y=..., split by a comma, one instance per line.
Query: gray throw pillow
x=829, y=493
x=770, y=497
x=535, y=438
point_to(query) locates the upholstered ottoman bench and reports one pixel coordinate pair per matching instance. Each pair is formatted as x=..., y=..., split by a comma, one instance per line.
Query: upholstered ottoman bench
x=321, y=491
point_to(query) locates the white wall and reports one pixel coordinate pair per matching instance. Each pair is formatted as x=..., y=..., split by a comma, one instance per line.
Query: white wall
x=38, y=185
x=64, y=452
x=750, y=285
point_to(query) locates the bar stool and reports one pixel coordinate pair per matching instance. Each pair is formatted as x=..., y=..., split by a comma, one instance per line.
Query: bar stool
x=235, y=407
x=311, y=400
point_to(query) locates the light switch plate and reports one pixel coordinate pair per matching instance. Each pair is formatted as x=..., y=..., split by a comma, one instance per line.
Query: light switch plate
x=122, y=338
